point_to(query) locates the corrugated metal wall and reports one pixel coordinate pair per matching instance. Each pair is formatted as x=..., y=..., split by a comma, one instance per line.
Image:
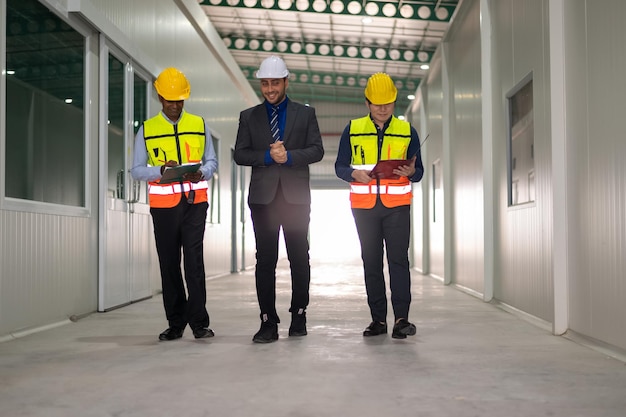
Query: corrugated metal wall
x=47, y=269
x=523, y=277
x=419, y=223
x=466, y=144
x=433, y=159
x=596, y=150
x=595, y=62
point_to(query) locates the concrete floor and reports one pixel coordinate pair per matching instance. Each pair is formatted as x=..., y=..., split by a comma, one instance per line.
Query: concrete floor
x=468, y=358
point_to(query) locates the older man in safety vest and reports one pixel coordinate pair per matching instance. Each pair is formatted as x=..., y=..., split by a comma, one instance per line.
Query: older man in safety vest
x=379, y=155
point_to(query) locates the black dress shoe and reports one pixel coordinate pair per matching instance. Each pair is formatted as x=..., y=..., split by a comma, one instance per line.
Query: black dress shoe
x=298, y=324
x=402, y=329
x=203, y=333
x=268, y=333
x=171, y=333
x=375, y=328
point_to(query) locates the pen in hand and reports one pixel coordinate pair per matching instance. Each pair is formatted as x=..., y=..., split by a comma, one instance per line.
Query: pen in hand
x=169, y=163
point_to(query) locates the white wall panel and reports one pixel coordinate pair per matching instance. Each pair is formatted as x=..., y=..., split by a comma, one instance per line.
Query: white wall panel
x=48, y=262
x=419, y=233
x=523, y=277
x=434, y=155
x=466, y=143
x=46, y=271
x=596, y=176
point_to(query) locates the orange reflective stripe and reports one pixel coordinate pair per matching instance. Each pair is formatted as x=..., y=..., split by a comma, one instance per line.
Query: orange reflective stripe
x=156, y=188
x=168, y=195
x=392, y=193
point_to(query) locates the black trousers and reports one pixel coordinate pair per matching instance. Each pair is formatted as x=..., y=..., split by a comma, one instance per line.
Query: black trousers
x=294, y=220
x=391, y=227
x=175, y=229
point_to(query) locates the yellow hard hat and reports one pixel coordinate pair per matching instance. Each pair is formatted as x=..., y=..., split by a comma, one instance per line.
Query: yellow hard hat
x=380, y=89
x=172, y=85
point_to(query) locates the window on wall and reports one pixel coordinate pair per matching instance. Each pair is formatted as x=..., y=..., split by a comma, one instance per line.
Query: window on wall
x=521, y=144
x=45, y=120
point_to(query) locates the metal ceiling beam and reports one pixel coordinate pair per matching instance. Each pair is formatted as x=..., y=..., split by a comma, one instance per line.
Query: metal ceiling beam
x=426, y=10
x=241, y=43
x=330, y=79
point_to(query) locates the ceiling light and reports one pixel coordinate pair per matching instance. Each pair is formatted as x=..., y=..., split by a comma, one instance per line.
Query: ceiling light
x=411, y=97
x=424, y=66
x=68, y=100
x=366, y=20
x=10, y=72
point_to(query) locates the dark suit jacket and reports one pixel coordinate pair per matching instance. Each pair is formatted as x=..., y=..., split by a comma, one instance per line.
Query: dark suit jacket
x=302, y=140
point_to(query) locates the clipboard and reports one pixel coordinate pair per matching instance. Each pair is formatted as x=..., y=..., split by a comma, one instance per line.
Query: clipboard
x=175, y=174
x=384, y=169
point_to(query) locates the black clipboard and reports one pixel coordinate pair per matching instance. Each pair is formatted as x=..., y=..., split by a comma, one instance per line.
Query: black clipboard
x=384, y=169
x=175, y=173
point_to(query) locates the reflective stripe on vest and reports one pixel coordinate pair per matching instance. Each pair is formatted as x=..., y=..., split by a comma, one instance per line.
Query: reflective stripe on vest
x=167, y=189
x=357, y=188
x=364, y=145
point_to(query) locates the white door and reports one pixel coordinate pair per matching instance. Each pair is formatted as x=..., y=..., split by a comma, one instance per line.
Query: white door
x=124, y=252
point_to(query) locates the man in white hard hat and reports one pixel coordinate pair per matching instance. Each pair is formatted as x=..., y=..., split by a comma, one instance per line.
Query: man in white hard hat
x=175, y=137
x=279, y=138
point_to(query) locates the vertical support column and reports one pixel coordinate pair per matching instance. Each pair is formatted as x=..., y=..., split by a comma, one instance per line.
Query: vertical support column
x=424, y=184
x=489, y=199
x=559, y=166
x=448, y=187
x=3, y=89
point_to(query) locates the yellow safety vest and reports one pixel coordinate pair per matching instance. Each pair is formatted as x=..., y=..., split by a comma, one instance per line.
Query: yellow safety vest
x=182, y=142
x=365, y=154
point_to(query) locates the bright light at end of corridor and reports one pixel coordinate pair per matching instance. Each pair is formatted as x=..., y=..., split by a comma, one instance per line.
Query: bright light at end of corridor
x=332, y=230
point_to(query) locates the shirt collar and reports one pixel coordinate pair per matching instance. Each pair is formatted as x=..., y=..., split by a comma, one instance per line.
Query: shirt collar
x=168, y=119
x=281, y=107
x=385, y=125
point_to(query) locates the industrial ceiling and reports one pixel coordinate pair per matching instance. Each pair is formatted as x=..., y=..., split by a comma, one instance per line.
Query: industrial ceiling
x=331, y=47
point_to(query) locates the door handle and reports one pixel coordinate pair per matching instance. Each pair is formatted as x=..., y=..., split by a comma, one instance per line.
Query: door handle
x=136, y=187
x=120, y=184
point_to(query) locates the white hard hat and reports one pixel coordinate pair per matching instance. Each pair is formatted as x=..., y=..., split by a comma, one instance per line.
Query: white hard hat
x=273, y=67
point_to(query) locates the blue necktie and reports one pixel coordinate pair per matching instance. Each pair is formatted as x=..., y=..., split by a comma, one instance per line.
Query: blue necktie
x=274, y=124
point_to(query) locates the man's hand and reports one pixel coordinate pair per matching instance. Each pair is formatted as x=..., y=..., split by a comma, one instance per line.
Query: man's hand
x=406, y=170
x=278, y=152
x=361, y=175
x=193, y=176
x=169, y=163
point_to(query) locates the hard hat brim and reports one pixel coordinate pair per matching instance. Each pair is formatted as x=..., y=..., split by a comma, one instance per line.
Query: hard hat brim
x=176, y=98
x=388, y=100
x=262, y=76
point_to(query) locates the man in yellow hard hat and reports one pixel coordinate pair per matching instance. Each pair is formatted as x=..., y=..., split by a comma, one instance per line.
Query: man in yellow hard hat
x=379, y=155
x=171, y=138
x=279, y=138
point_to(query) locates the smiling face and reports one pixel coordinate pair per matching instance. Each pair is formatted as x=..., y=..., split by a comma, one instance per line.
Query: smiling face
x=274, y=89
x=381, y=112
x=172, y=109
